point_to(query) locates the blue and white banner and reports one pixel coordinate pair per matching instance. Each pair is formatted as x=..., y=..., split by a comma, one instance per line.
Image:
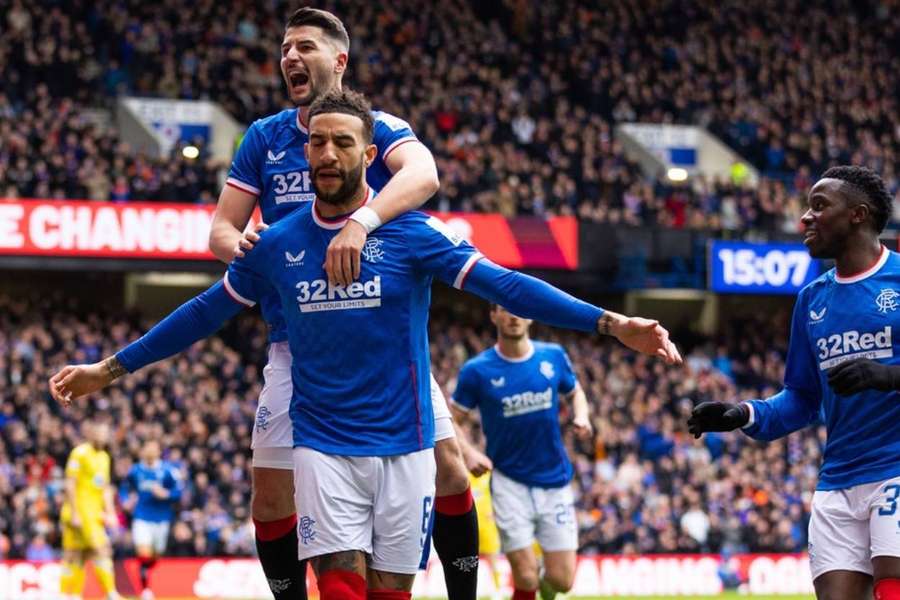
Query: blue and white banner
x=747, y=268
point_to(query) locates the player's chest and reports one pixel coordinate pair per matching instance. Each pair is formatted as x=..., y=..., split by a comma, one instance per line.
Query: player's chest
x=521, y=389
x=286, y=179
x=95, y=474
x=386, y=277
x=855, y=321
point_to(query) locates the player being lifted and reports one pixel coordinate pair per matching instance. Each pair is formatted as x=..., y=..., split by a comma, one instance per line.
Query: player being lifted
x=271, y=170
x=361, y=412
x=88, y=507
x=843, y=364
x=151, y=491
x=516, y=386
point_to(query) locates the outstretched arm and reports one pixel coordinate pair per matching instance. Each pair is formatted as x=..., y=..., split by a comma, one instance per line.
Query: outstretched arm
x=765, y=420
x=194, y=320
x=531, y=298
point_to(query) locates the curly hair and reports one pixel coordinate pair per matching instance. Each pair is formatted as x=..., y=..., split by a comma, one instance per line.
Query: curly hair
x=347, y=102
x=868, y=183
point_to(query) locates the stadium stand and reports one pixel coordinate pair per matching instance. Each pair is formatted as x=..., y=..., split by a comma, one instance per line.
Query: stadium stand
x=517, y=101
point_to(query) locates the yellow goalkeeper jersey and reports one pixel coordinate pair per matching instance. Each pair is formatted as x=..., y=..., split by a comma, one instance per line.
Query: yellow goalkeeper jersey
x=89, y=468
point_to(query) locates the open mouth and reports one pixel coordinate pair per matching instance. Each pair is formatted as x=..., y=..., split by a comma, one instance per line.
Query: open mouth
x=298, y=78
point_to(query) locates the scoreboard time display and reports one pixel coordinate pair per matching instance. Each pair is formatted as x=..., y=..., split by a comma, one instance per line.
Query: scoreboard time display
x=747, y=268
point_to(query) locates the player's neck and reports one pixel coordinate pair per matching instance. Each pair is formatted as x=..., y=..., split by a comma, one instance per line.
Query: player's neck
x=513, y=348
x=858, y=258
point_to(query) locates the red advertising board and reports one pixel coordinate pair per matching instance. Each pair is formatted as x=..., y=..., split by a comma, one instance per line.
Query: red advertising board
x=143, y=230
x=242, y=578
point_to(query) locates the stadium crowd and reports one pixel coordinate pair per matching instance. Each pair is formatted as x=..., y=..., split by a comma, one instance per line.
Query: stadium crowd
x=517, y=100
x=643, y=484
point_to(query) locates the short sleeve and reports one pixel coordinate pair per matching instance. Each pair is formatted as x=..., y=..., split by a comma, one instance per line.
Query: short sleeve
x=73, y=464
x=245, y=172
x=442, y=252
x=391, y=132
x=567, y=380
x=466, y=393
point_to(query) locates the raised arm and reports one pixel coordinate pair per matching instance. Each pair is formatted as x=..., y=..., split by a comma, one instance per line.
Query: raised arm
x=231, y=217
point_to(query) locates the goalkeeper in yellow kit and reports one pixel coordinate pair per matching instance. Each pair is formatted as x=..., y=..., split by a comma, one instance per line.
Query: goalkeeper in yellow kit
x=87, y=508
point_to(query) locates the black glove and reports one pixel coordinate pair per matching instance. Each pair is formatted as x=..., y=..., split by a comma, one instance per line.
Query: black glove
x=862, y=374
x=717, y=416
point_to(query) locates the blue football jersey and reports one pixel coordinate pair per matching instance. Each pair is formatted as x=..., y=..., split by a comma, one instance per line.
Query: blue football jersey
x=519, y=405
x=835, y=320
x=271, y=165
x=360, y=351
x=142, y=478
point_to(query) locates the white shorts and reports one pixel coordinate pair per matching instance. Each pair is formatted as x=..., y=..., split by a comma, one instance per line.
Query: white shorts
x=443, y=422
x=524, y=514
x=379, y=505
x=273, y=434
x=849, y=527
x=150, y=534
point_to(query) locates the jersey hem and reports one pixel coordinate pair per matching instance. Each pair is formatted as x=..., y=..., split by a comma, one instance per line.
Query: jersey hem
x=829, y=484
x=366, y=450
x=531, y=483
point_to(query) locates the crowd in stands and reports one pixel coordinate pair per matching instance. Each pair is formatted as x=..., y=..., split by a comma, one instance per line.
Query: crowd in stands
x=643, y=484
x=517, y=100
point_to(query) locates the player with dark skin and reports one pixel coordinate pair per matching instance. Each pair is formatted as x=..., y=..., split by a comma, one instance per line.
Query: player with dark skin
x=839, y=225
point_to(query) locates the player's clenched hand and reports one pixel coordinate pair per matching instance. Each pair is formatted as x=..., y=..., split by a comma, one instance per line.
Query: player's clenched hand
x=861, y=374
x=477, y=463
x=717, y=416
x=77, y=380
x=342, y=258
x=249, y=239
x=583, y=427
x=643, y=335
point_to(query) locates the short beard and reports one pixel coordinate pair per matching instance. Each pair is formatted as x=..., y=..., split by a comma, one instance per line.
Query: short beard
x=349, y=190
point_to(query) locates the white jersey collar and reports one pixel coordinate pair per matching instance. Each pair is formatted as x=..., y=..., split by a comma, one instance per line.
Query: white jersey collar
x=885, y=253
x=300, y=124
x=337, y=222
x=519, y=359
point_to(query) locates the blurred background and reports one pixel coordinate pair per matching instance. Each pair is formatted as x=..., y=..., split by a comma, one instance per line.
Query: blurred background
x=652, y=156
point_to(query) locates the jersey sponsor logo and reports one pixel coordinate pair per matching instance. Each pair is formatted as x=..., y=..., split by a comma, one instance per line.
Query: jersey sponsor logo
x=547, y=369
x=294, y=260
x=372, y=251
x=527, y=402
x=499, y=382
x=815, y=317
x=274, y=159
x=841, y=347
x=887, y=301
x=292, y=187
x=318, y=295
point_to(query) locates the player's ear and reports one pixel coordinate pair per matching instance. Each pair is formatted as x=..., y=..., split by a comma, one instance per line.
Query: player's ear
x=860, y=213
x=306, y=151
x=371, y=153
x=340, y=62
